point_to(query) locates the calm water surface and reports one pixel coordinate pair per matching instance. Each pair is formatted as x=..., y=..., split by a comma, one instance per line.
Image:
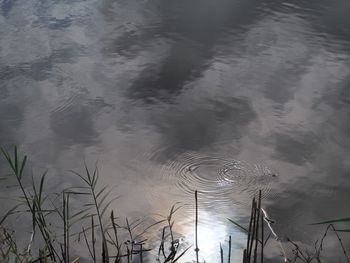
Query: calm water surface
x=223, y=96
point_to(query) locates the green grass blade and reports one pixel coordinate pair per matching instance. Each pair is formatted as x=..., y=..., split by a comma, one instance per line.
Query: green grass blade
x=236, y=224
x=77, y=193
x=41, y=188
x=103, y=198
x=346, y=219
x=8, y=158
x=35, y=195
x=33, y=211
x=95, y=177
x=80, y=212
x=101, y=191
x=183, y=253
x=81, y=177
x=22, y=166
x=343, y=230
x=152, y=225
x=8, y=213
x=16, y=159
x=88, y=175
x=107, y=205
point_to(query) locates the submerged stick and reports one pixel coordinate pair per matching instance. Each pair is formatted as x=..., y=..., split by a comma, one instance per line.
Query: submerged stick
x=262, y=239
x=64, y=229
x=253, y=231
x=93, y=237
x=196, y=225
x=257, y=228
x=141, y=256
x=245, y=256
x=249, y=231
x=68, y=235
x=115, y=235
x=229, y=250
x=221, y=254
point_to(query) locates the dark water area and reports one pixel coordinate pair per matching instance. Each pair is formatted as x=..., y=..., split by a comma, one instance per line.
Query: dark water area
x=225, y=96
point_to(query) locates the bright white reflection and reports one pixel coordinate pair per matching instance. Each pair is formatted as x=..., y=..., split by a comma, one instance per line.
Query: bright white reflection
x=211, y=233
x=208, y=236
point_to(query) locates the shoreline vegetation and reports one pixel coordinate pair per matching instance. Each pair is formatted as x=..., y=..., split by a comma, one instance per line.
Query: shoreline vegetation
x=59, y=231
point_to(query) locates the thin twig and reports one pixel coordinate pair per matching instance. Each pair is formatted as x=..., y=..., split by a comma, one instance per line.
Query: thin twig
x=196, y=226
x=249, y=231
x=262, y=239
x=229, y=250
x=221, y=254
x=257, y=228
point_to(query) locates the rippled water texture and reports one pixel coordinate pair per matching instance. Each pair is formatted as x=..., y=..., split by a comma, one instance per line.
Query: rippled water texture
x=225, y=96
x=223, y=182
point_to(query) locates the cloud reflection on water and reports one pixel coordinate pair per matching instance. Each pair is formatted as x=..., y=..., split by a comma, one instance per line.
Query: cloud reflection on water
x=121, y=80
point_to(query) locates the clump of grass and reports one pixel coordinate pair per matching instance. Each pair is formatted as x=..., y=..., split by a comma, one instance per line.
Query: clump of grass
x=105, y=237
x=34, y=203
x=254, y=250
x=305, y=256
x=168, y=237
x=300, y=255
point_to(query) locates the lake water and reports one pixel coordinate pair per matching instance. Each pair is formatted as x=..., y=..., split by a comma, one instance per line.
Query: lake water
x=223, y=96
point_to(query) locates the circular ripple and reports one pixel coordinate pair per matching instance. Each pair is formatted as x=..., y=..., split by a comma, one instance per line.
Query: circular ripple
x=220, y=181
x=252, y=177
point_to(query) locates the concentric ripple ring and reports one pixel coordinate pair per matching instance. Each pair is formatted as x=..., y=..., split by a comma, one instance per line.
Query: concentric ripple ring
x=220, y=180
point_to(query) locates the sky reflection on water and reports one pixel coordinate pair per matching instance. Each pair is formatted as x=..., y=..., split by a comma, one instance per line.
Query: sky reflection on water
x=139, y=85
